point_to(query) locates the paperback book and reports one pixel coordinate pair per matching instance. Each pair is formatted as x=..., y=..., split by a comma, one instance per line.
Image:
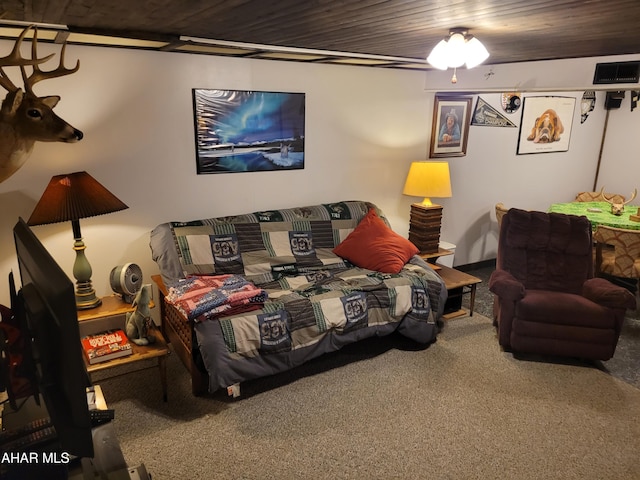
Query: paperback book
x=104, y=346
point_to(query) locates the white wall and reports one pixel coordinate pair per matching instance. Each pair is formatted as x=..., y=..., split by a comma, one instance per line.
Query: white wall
x=363, y=128
x=492, y=172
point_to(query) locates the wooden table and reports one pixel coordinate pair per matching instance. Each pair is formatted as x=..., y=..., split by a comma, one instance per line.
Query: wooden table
x=432, y=257
x=458, y=283
x=599, y=213
x=111, y=315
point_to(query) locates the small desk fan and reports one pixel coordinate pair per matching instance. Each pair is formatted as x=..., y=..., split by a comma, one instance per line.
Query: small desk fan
x=126, y=280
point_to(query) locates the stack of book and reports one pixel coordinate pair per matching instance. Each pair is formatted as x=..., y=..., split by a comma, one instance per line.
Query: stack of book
x=104, y=346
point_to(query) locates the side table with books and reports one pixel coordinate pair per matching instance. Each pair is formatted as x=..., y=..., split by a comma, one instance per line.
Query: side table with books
x=107, y=319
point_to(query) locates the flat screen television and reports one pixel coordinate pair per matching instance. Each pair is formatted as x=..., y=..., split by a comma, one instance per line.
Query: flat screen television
x=45, y=308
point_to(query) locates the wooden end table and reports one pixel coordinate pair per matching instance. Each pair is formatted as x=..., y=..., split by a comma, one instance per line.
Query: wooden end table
x=458, y=283
x=111, y=315
x=432, y=257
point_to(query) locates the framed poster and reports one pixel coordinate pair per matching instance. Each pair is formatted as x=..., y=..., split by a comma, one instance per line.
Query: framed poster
x=450, y=126
x=248, y=131
x=546, y=124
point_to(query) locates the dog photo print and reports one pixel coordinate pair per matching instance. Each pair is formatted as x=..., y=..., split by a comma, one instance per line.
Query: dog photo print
x=546, y=124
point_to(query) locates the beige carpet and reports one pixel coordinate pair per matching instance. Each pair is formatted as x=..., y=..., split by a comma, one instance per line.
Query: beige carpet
x=460, y=409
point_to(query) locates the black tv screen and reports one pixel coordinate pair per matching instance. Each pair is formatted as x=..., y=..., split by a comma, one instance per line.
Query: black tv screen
x=47, y=303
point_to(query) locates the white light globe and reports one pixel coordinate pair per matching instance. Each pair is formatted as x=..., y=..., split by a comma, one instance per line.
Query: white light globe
x=456, y=50
x=438, y=56
x=476, y=53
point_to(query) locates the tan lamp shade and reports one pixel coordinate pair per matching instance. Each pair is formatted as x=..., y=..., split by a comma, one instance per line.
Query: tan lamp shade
x=428, y=179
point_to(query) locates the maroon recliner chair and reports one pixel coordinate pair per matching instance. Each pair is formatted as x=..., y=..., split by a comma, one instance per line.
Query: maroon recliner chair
x=548, y=301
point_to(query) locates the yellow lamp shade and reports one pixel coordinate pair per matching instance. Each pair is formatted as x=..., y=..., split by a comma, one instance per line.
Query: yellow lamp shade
x=428, y=179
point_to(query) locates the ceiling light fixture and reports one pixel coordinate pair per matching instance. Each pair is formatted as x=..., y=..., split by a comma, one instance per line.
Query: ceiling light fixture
x=458, y=49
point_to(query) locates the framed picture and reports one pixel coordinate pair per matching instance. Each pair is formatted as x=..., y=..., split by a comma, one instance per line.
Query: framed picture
x=248, y=131
x=450, y=126
x=546, y=124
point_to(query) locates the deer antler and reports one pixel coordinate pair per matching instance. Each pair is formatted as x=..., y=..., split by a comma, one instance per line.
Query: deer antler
x=633, y=196
x=610, y=200
x=15, y=59
x=37, y=74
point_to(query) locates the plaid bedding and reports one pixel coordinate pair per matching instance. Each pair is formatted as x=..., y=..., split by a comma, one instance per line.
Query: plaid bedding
x=262, y=246
x=317, y=302
x=310, y=307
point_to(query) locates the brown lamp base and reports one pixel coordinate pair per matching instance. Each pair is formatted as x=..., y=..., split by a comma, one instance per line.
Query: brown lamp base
x=424, y=227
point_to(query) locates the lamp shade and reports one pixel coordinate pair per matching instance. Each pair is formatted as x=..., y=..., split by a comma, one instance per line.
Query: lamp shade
x=428, y=179
x=74, y=196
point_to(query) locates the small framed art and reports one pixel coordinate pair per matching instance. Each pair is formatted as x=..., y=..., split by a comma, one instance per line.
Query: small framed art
x=546, y=123
x=450, y=126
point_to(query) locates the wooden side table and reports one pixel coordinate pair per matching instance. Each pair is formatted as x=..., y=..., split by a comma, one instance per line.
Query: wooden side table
x=458, y=283
x=432, y=257
x=111, y=315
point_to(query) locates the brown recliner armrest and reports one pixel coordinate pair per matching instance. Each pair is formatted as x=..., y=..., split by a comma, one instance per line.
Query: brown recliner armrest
x=605, y=293
x=506, y=286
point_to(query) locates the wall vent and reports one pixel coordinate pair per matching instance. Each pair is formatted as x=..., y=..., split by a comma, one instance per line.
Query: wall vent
x=617, y=72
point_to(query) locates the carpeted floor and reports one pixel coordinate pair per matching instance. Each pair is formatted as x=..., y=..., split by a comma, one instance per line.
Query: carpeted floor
x=625, y=364
x=382, y=409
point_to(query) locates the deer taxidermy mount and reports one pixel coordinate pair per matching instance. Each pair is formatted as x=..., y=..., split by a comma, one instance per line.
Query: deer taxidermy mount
x=618, y=208
x=25, y=117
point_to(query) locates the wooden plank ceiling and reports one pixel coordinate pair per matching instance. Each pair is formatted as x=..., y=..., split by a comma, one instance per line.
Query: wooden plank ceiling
x=386, y=33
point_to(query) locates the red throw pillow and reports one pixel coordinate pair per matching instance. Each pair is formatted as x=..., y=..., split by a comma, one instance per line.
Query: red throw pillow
x=374, y=246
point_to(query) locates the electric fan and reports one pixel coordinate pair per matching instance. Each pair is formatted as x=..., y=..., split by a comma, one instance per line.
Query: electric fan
x=126, y=280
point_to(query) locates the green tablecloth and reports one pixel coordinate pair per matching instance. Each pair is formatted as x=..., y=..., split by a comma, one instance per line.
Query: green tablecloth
x=602, y=217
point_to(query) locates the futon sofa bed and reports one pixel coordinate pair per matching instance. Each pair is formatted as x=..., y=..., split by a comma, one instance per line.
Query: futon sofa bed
x=251, y=295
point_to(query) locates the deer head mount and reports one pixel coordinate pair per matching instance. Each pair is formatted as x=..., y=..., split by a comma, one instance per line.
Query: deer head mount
x=618, y=208
x=24, y=117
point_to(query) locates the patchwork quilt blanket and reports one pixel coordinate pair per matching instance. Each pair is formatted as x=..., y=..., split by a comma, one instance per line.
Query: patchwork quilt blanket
x=313, y=312
x=309, y=300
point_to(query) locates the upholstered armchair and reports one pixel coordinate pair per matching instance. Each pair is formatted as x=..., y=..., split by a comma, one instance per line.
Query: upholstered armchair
x=549, y=302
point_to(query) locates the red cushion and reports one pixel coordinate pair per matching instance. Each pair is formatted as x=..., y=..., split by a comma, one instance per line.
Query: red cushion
x=374, y=246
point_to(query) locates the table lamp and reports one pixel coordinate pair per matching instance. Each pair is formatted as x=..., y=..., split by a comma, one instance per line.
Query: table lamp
x=427, y=179
x=72, y=197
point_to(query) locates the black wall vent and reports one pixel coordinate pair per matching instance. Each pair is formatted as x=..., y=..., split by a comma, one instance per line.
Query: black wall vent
x=617, y=72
